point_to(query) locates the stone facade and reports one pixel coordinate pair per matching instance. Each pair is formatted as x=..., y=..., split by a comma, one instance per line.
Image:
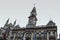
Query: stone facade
x=31, y=31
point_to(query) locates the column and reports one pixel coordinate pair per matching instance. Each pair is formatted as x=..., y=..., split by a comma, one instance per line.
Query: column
x=34, y=36
x=14, y=36
x=24, y=36
x=31, y=36
x=10, y=33
x=47, y=36
x=56, y=35
x=44, y=33
x=40, y=35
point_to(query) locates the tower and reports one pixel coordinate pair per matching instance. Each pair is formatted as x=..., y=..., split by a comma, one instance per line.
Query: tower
x=32, y=18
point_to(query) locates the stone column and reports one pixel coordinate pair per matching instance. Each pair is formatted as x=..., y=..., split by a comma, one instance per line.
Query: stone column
x=56, y=35
x=47, y=36
x=14, y=36
x=31, y=36
x=9, y=37
x=24, y=36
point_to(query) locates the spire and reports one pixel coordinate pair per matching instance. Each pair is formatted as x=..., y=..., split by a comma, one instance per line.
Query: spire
x=34, y=9
x=33, y=12
x=32, y=18
x=7, y=22
x=14, y=23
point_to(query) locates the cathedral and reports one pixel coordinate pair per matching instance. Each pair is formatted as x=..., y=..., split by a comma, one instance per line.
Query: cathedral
x=30, y=31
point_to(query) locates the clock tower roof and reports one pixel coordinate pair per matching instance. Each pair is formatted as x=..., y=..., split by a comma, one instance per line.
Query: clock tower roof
x=34, y=9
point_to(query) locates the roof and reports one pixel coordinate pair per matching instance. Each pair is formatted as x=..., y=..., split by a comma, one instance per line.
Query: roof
x=34, y=9
x=35, y=28
x=51, y=23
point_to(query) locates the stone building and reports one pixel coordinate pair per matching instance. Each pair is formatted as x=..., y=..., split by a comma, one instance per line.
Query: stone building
x=31, y=31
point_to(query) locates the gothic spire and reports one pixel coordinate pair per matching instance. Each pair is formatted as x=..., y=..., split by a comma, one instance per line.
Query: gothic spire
x=14, y=23
x=7, y=22
x=32, y=18
x=34, y=9
x=33, y=12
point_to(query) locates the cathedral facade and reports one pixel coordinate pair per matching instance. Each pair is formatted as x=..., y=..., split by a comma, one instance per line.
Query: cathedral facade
x=31, y=31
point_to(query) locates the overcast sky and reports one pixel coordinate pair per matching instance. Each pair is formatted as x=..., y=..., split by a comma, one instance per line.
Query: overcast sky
x=20, y=10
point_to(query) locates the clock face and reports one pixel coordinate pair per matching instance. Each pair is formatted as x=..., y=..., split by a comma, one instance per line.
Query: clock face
x=33, y=22
x=33, y=19
x=34, y=13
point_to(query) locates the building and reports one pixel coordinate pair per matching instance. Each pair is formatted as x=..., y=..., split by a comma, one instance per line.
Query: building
x=31, y=31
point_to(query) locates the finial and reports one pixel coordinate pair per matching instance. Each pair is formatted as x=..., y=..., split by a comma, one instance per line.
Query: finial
x=50, y=18
x=34, y=4
x=8, y=20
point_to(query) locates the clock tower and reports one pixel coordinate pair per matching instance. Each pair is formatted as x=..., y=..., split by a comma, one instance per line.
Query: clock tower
x=32, y=18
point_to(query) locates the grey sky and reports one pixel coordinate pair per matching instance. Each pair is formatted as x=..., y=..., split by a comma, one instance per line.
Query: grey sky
x=20, y=9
